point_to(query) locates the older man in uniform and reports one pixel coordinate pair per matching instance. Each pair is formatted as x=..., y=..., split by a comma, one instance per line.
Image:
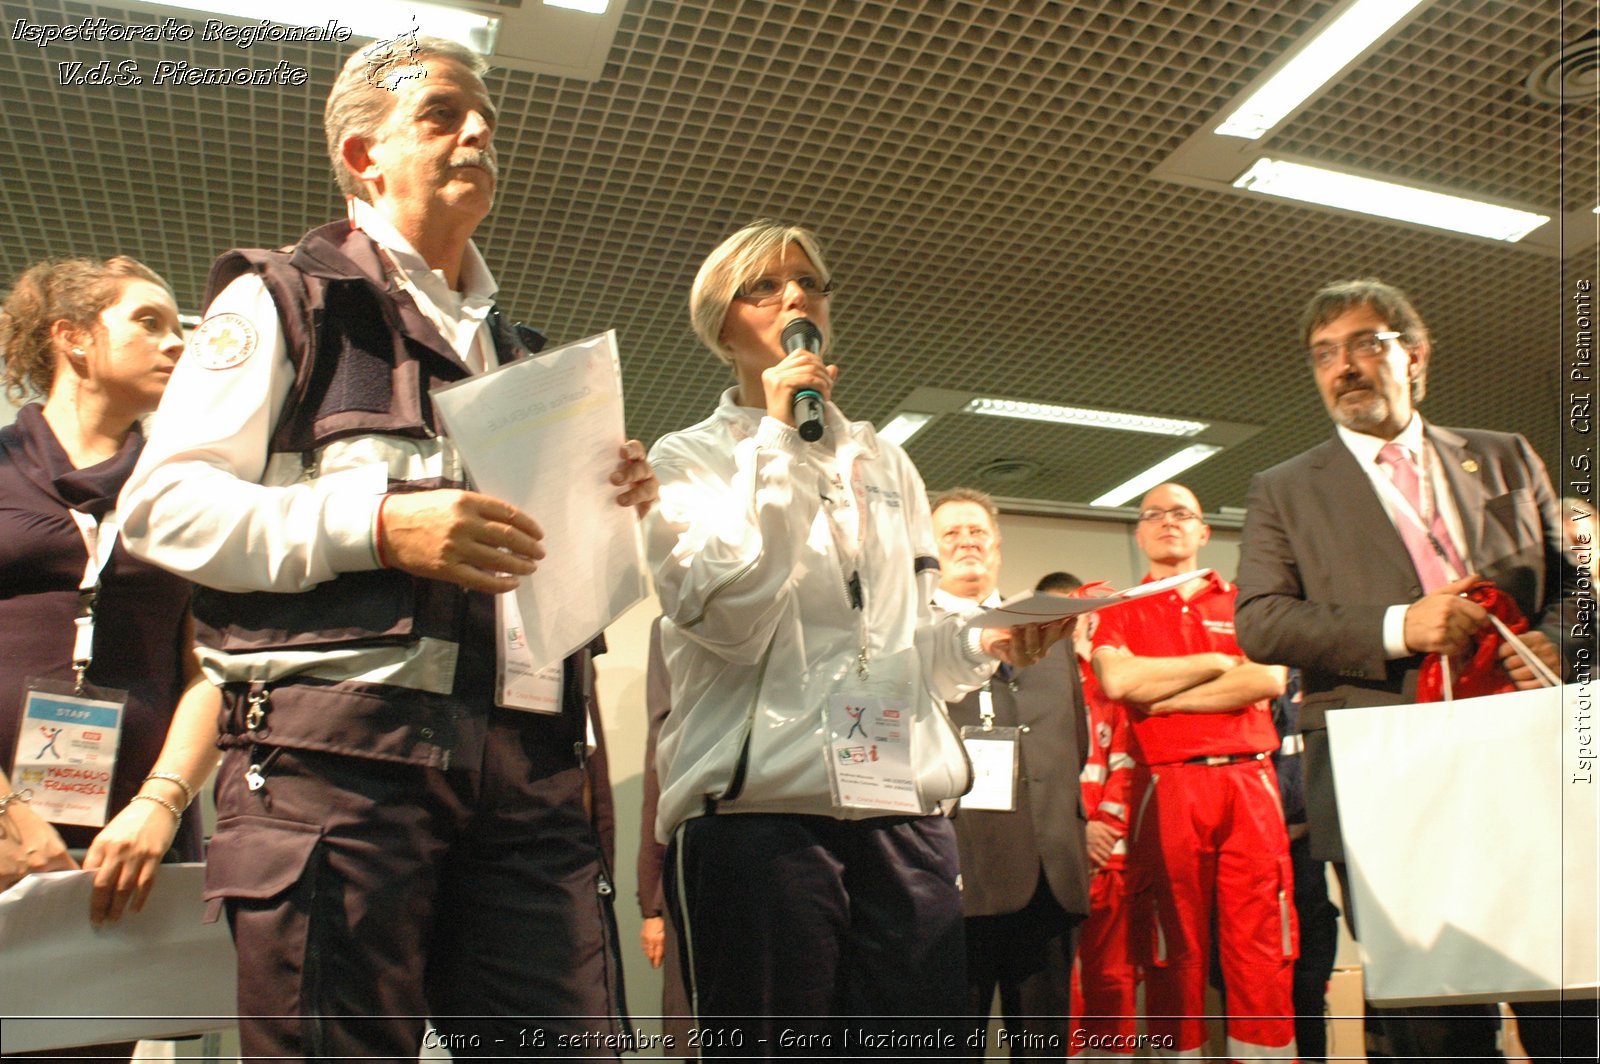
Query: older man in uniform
x=1024, y=869
x=392, y=843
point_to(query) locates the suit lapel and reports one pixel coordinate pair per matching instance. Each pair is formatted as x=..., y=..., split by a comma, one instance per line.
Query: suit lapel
x=1356, y=507
x=1461, y=467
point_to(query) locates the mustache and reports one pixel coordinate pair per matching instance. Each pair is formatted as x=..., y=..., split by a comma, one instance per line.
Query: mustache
x=479, y=158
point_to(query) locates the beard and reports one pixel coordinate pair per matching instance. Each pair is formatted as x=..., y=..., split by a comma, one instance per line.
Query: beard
x=1363, y=416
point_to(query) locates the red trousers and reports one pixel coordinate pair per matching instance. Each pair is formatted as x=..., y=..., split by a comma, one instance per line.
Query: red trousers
x=1104, y=980
x=1209, y=845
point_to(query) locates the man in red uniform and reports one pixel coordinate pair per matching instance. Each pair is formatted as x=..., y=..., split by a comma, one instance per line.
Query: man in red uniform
x=1207, y=839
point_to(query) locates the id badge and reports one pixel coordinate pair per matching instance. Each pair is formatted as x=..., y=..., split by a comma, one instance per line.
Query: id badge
x=869, y=724
x=994, y=768
x=522, y=684
x=67, y=750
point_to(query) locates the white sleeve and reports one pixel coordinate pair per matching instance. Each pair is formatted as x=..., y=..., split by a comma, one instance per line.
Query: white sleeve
x=195, y=504
x=726, y=550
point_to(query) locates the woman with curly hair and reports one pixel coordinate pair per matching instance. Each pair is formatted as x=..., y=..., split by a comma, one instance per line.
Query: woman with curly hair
x=79, y=617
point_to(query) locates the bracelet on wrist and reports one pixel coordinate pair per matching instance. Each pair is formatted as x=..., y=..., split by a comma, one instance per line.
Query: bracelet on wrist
x=377, y=534
x=173, y=777
x=177, y=814
x=24, y=795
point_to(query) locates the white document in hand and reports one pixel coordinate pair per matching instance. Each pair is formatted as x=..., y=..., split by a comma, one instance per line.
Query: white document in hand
x=1037, y=607
x=544, y=434
x=152, y=974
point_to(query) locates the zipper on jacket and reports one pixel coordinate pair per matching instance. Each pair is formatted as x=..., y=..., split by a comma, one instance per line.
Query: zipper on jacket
x=741, y=767
x=716, y=589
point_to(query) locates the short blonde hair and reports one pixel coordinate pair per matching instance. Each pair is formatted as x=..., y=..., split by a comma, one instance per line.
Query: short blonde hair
x=738, y=259
x=962, y=494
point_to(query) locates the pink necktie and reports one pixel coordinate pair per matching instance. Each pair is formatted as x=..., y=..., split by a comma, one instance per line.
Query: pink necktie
x=1433, y=552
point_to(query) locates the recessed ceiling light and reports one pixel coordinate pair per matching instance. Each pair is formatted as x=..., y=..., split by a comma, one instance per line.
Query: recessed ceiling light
x=903, y=426
x=1085, y=417
x=1385, y=199
x=593, y=7
x=1159, y=473
x=1315, y=64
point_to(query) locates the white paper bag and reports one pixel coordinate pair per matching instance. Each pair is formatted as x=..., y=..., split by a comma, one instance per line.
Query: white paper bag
x=156, y=973
x=1469, y=832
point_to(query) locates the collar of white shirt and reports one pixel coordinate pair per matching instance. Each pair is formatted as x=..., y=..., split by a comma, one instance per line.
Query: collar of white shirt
x=956, y=604
x=457, y=315
x=1366, y=447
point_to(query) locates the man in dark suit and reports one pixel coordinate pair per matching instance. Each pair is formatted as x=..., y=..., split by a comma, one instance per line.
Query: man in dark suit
x=1355, y=553
x=1024, y=870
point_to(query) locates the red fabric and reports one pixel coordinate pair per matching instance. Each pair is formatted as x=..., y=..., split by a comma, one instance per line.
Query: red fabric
x=1167, y=625
x=1107, y=769
x=1209, y=849
x=1477, y=670
x=1104, y=979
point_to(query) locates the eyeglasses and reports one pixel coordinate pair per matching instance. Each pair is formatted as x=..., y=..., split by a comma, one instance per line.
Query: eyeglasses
x=765, y=291
x=1179, y=514
x=1361, y=345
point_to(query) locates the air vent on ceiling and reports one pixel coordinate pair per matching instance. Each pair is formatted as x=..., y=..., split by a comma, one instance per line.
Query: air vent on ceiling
x=1007, y=470
x=1571, y=75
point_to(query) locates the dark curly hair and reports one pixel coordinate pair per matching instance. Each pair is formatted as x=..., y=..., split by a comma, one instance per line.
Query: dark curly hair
x=73, y=290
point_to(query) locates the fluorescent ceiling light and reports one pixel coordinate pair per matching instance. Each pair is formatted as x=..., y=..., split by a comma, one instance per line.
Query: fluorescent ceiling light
x=593, y=7
x=1077, y=415
x=1327, y=54
x=1159, y=473
x=1367, y=195
x=903, y=426
x=385, y=21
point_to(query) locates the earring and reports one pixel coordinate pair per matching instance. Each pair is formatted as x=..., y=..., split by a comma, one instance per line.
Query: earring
x=77, y=352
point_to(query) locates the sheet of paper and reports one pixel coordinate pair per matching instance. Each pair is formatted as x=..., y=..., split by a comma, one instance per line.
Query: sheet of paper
x=544, y=434
x=1036, y=607
x=65, y=982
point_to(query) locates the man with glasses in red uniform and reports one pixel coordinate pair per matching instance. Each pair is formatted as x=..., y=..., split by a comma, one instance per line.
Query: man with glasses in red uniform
x=1207, y=843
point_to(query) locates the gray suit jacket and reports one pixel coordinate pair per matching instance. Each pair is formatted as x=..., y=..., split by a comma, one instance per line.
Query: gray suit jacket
x=1320, y=562
x=1002, y=854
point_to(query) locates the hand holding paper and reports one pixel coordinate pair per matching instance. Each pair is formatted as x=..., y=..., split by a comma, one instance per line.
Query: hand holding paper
x=1024, y=644
x=642, y=486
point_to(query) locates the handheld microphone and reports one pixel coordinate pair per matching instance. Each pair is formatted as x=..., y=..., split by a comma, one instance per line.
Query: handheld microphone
x=802, y=334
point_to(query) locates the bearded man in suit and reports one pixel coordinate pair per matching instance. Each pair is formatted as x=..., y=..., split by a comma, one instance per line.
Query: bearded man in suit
x=1355, y=554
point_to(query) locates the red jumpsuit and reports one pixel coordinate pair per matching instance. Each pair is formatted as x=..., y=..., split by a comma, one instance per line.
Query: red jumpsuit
x=1207, y=842
x=1104, y=978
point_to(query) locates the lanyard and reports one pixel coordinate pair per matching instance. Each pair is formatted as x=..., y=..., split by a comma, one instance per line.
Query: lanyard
x=1424, y=520
x=846, y=512
x=99, y=540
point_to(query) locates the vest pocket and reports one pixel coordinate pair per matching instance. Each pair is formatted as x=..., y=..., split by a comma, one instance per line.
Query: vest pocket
x=377, y=606
x=265, y=870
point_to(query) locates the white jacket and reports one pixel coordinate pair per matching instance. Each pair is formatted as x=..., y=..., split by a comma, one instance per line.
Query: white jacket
x=753, y=542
